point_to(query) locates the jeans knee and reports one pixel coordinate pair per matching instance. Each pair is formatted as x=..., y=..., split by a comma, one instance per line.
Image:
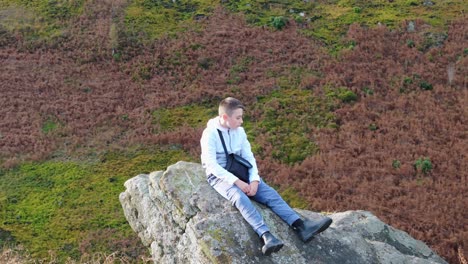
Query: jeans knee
x=235, y=195
x=240, y=199
x=274, y=200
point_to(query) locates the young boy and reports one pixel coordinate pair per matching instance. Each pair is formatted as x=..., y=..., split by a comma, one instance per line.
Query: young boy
x=213, y=158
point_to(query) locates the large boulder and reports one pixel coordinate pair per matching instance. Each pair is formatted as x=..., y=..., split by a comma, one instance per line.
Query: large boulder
x=183, y=220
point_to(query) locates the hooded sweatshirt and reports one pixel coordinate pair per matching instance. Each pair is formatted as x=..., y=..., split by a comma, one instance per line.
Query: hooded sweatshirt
x=213, y=157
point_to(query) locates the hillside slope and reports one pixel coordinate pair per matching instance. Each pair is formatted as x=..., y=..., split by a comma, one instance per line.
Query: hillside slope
x=351, y=105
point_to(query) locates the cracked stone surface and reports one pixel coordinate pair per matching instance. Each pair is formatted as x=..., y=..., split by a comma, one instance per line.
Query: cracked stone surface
x=183, y=220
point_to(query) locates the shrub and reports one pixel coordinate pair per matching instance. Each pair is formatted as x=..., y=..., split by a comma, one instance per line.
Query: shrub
x=423, y=165
x=48, y=126
x=425, y=86
x=357, y=10
x=368, y=91
x=117, y=56
x=343, y=94
x=373, y=127
x=279, y=22
x=412, y=2
x=407, y=80
x=299, y=19
x=396, y=164
x=347, y=96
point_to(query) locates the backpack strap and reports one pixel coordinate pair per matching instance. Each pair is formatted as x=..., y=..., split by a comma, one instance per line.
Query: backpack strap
x=222, y=141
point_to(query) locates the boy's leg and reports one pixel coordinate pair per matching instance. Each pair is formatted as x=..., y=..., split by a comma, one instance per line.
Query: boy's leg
x=270, y=197
x=306, y=229
x=242, y=203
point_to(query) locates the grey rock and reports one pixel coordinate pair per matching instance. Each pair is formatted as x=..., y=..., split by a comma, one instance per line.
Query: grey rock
x=411, y=27
x=428, y=3
x=183, y=220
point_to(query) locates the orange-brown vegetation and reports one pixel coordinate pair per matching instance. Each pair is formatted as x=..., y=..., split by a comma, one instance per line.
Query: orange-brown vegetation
x=94, y=102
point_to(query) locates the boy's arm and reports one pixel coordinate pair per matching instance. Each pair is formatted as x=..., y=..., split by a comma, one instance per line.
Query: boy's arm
x=208, y=156
x=246, y=152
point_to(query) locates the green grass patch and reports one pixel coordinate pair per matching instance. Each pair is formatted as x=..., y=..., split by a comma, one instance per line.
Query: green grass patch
x=54, y=11
x=146, y=20
x=287, y=118
x=270, y=13
x=153, y=19
x=50, y=125
x=328, y=21
x=291, y=196
x=69, y=206
x=237, y=69
x=40, y=21
x=170, y=119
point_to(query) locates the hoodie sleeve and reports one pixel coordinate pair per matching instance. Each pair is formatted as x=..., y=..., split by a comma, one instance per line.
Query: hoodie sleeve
x=246, y=152
x=208, y=156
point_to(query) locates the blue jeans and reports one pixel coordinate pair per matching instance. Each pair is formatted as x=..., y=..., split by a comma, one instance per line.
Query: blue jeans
x=265, y=195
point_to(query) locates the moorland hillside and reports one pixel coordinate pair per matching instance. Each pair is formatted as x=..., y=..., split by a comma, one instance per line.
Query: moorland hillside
x=350, y=105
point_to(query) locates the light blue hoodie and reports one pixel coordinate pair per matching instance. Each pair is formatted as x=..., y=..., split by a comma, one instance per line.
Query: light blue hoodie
x=213, y=157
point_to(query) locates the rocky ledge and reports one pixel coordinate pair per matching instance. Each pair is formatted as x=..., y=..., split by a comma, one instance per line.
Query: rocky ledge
x=183, y=220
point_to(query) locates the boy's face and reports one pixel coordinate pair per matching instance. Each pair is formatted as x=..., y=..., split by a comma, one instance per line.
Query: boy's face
x=235, y=120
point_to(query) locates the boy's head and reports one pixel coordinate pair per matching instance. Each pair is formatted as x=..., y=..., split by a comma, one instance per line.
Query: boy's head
x=229, y=105
x=231, y=113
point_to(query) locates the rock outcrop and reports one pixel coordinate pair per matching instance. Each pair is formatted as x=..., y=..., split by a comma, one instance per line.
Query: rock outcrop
x=183, y=220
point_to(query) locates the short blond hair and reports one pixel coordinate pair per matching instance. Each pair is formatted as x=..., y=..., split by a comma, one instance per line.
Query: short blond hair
x=229, y=105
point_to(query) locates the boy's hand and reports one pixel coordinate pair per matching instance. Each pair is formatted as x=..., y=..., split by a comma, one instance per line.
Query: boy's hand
x=253, y=188
x=243, y=186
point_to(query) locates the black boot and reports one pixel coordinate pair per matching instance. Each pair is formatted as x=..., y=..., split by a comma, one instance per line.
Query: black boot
x=272, y=244
x=307, y=229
